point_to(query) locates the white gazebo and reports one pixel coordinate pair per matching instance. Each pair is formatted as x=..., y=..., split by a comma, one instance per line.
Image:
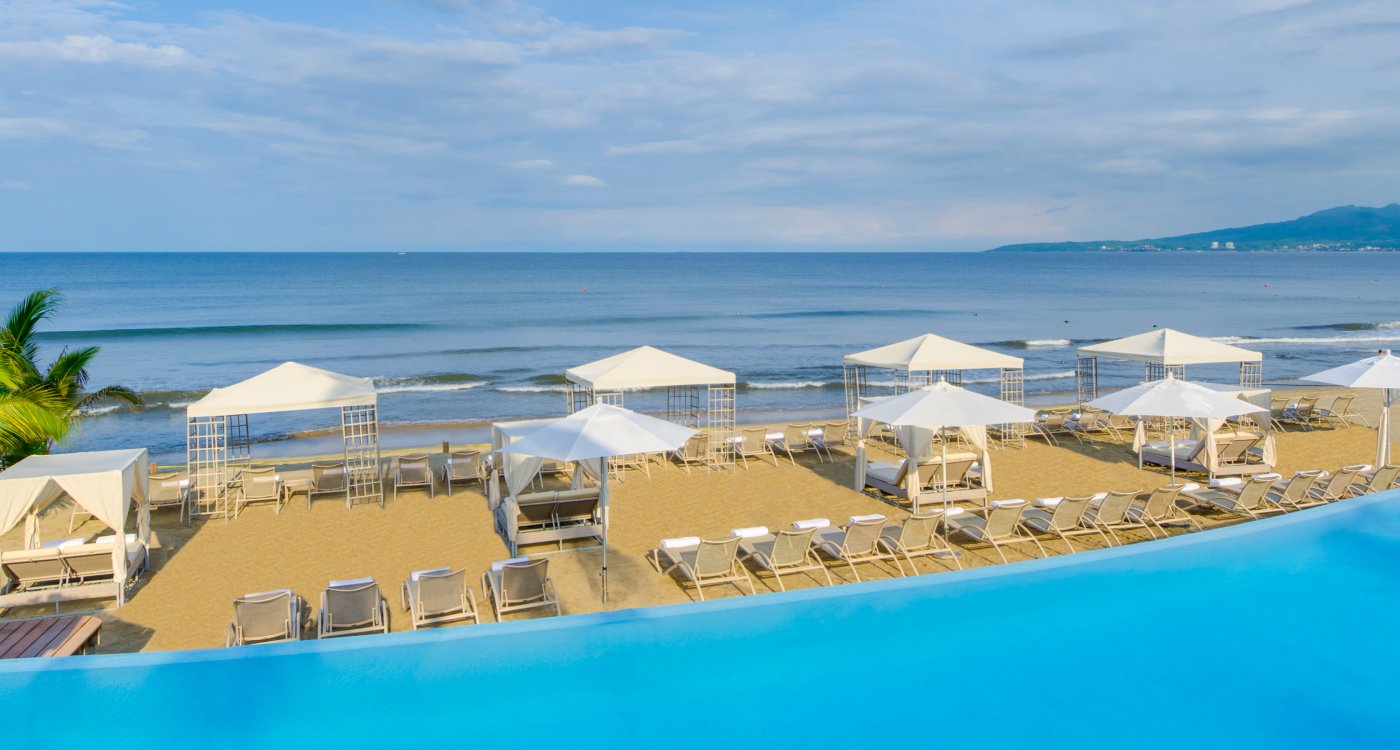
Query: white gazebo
x=217, y=428
x=697, y=395
x=1164, y=351
x=925, y=360
x=104, y=483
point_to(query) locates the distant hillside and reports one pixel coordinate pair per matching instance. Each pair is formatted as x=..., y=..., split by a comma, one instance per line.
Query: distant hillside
x=1342, y=228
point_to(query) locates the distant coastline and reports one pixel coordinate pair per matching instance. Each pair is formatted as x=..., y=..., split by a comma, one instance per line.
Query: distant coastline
x=1341, y=229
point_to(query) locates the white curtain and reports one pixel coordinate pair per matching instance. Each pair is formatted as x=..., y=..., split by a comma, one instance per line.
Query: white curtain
x=977, y=435
x=518, y=470
x=918, y=450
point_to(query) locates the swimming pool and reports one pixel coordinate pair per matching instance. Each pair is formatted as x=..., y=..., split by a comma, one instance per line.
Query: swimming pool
x=1275, y=633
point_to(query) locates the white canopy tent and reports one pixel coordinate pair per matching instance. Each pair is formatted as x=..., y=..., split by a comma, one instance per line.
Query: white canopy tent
x=590, y=437
x=1164, y=351
x=1381, y=371
x=517, y=470
x=697, y=395
x=217, y=428
x=104, y=483
x=920, y=413
x=1207, y=406
x=924, y=360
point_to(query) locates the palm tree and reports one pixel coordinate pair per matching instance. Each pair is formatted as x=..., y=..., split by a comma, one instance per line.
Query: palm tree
x=38, y=407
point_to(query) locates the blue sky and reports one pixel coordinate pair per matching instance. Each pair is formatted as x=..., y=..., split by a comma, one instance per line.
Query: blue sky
x=489, y=124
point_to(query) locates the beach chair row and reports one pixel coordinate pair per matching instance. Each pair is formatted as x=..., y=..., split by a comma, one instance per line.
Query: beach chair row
x=1307, y=412
x=430, y=597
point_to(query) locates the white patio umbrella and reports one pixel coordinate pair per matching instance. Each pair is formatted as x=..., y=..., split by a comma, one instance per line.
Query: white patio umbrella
x=598, y=433
x=944, y=405
x=1381, y=371
x=1173, y=398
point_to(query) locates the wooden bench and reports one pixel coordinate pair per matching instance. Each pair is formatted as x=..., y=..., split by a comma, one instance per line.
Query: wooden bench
x=49, y=636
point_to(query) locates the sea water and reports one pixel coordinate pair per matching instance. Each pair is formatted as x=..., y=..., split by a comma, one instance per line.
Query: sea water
x=454, y=341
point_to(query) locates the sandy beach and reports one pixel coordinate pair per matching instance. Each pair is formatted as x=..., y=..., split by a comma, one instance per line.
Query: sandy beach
x=184, y=601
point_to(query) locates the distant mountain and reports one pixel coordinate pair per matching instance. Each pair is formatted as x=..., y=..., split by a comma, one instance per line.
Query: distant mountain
x=1342, y=228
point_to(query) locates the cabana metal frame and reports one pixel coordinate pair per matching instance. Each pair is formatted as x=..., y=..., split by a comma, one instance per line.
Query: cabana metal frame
x=104, y=483
x=928, y=359
x=217, y=435
x=1162, y=352
x=698, y=396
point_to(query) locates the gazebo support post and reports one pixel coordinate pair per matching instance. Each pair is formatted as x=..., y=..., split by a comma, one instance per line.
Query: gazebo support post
x=359, y=429
x=1086, y=378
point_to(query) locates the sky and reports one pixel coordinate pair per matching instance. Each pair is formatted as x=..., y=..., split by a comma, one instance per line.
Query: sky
x=417, y=125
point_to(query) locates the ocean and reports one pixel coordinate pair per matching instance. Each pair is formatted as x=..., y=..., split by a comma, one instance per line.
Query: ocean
x=455, y=341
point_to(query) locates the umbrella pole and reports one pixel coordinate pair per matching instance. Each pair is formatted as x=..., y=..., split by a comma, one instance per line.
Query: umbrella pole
x=1383, y=429
x=603, y=501
x=1171, y=451
x=945, y=474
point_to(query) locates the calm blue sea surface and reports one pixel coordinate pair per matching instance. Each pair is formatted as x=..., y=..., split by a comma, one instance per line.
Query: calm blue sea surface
x=1277, y=633
x=460, y=339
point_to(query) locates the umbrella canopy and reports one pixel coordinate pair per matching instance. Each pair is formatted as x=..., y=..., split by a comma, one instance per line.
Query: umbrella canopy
x=596, y=434
x=944, y=405
x=1381, y=371
x=600, y=431
x=1170, y=397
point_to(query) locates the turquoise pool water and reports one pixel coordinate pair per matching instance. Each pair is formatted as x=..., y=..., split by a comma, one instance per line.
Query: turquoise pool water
x=1279, y=633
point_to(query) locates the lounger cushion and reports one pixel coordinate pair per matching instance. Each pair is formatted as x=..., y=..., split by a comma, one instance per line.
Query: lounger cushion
x=267, y=594
x=811, y=523
x=680, y=542
x=499, y=564
x=350, y=583
x=435, y=571
x=105, y=538
x=61, y=543
x=884, y=471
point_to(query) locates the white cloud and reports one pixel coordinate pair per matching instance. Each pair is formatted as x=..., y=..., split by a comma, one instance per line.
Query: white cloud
x=30, y=127
x=98, y=49
x=582, y=180
x=532, y=164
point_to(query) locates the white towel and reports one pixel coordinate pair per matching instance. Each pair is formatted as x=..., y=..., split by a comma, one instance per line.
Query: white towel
x=415, y=574
x=680, y=542
x=750, y=532
x=955, y=512
x=1269, y=475
x=773, y=436
x=350, y=583
x=1226, y=482
x=1049, y=502
x=1358, y=467
x=811, y=523
x=1007, y=503
x=496, y=566
x=1190, y=487
x=868, y=517
x=813, y=433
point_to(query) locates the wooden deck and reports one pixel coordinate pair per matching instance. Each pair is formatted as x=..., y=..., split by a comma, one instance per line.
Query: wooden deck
x=49, y=636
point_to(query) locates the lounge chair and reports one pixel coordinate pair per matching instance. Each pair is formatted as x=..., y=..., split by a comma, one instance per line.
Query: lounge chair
x=413, y=471
x=857, y=543
x=169, y=491
x=1054, y=423
x=1301, y=413
x=704, y=563
x=1379, y=480
x=262, y=485
x=328, y=479
x=1090, y=422
x=463, y=466
x=833, y=433
x=753, y=443
x=92, y=562
x=695, y=452
x=1296, y=492
x=433, y=597
x=1161, y=508
x=519, y=584
x=1251, y=498
x=795, y=438
x=1278, y=406
x=819, y=438
x=788, y=551
x=917, y=537
x=1338, y=485
x=352, y=607
x=265, y=617
x=1108, y=511
x=997, y=526
x=1062, y=517
x=1339, y=413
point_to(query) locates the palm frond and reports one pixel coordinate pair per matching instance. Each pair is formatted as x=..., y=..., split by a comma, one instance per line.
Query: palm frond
x=68, y=372
x=18, y=331
x=112, y=393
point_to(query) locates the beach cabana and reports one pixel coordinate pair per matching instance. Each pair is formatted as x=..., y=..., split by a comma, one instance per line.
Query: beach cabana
x=697, y=395
x=104, y=483
x=1164, y=351
x=925, y=360
x=217, y=428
